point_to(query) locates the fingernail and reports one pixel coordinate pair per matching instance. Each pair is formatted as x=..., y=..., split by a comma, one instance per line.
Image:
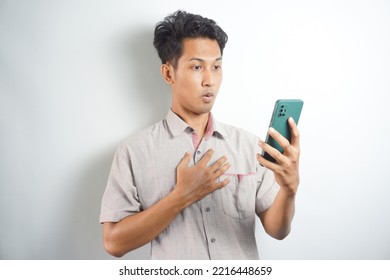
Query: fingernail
x=271, y=129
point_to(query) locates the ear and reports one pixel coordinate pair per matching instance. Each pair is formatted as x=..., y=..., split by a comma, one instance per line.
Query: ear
x=167, y=72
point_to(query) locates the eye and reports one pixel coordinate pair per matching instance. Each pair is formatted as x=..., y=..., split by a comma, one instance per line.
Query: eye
x=196, y=67
x=217, y=67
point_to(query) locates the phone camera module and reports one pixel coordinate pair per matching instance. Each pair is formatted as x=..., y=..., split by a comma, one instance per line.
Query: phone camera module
x=282, y=111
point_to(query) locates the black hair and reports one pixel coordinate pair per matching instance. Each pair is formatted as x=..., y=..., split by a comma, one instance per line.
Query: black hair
x=170, y=33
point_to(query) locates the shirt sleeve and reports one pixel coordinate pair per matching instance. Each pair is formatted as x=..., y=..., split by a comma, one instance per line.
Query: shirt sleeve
x=120, y=198
x=267, y=187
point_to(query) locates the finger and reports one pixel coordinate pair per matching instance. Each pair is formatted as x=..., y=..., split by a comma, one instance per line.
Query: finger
x=266, y=163
x=206, y=158
x=216, y=165
x=185, y=160
x=294, y=132
x=222, y=184
x=282, y=141
x=273, y=152
x=219, y=185
x=220, y=171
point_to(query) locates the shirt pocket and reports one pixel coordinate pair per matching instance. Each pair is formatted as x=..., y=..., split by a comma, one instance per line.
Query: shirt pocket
x=238, y=197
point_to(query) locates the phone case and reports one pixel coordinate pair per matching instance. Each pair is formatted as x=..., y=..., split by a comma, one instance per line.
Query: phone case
x=284, y=108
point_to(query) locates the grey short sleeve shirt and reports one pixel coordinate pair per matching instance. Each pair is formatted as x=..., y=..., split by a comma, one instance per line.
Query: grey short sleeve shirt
x=221, y=225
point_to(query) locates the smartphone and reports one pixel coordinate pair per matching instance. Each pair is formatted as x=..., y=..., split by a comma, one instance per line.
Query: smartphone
x=284, y=108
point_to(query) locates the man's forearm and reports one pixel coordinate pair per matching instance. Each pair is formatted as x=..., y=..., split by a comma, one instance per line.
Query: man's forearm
x=139, y=229
x=277, y=219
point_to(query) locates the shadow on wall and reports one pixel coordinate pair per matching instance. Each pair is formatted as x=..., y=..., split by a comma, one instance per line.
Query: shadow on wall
x=140, y=70
x=139, y=64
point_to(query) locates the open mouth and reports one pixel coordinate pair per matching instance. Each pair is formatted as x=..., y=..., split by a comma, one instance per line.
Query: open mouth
x=207, y=97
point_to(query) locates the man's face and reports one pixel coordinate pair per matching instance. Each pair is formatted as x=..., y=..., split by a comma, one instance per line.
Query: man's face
x=197, y=77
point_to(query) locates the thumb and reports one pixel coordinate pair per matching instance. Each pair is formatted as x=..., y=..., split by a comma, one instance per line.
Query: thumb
x=185, y=160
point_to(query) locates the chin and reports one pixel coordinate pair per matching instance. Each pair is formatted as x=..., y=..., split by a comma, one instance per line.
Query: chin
x=205, y=110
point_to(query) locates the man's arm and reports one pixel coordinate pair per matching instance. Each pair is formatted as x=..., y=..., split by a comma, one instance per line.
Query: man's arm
x=277, y=219
x=192, y=184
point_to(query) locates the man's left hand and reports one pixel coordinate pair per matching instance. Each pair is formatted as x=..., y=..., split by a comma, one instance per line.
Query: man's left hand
x=286, y=167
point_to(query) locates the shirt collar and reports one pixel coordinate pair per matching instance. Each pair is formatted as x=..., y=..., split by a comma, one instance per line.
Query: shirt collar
x=177, y=126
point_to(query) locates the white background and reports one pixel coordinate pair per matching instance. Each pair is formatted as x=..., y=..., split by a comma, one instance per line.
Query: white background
x=77, y=77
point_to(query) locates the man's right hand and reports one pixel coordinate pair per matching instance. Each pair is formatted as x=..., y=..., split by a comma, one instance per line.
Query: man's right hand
x=195, y=182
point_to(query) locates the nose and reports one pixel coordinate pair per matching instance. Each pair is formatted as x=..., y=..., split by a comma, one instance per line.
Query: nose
x=208, y=79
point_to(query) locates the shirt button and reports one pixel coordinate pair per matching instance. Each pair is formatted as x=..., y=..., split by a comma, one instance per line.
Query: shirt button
x=198, y=152
x=212, y=240
x=208, y=209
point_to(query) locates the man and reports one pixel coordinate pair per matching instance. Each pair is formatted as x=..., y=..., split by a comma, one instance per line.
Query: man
x=190, y=185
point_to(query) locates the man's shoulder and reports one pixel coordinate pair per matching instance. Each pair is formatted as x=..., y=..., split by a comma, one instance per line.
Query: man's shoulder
x=145, y=136
x=242, y=146
x=235, y=132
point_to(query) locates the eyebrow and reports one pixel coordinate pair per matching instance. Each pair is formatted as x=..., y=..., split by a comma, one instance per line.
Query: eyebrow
x=203, y=60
